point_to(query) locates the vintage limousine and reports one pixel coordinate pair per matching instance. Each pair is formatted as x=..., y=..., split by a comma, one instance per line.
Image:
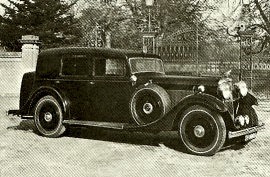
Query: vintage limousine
x=128, y=90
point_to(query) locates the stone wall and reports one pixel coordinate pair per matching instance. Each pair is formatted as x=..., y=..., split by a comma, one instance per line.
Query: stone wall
x=14, y=64
x=10, y=73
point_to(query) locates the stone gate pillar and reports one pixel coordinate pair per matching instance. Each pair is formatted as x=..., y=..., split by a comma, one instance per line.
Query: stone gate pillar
x=30, y=51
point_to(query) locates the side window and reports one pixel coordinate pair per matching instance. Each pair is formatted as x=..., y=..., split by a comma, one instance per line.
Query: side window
x=75, y=65
x=48, y=66
x=68, y=66
x=109, y=67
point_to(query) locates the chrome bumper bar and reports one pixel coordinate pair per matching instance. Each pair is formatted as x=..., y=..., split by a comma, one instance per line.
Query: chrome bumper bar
x=245, y=131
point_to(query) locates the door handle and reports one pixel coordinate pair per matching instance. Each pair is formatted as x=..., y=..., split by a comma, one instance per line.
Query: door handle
x=92, y=83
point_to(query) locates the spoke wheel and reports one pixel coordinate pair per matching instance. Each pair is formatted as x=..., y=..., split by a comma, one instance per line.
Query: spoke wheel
x=202, y=131
x=48, y=117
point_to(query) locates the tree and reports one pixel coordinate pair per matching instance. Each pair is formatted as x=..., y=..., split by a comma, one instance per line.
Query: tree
x=122, y=26
x=50, y=20
x=256, y=15
x=169, y=15
x=261, y=15
x=109, y=24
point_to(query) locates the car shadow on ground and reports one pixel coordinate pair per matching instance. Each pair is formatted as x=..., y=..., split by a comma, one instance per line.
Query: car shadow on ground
x=26, y=125
x=168, y=139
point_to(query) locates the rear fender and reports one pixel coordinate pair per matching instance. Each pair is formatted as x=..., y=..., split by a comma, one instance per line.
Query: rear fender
x=60, y=96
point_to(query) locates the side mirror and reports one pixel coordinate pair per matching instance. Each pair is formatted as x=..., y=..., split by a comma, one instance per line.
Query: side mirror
x=133, y=79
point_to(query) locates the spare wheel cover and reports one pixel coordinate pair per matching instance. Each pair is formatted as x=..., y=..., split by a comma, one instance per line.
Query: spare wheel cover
x=149, y=103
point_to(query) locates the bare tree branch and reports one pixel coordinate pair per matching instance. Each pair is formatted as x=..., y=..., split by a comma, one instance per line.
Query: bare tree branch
x=264, y=17
x=257, y=25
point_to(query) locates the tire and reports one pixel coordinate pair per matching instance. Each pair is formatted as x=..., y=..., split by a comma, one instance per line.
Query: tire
x=202, y=131
x=149, y=103
x=48, y=117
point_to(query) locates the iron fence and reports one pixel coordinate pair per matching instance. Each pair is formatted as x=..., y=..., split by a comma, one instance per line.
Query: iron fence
x=212, y=59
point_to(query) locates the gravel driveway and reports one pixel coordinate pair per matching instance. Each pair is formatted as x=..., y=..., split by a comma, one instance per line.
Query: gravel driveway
x=97, y=153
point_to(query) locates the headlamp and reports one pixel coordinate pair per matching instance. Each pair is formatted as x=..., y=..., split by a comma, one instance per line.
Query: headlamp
x=225, y=87
x=246, y=119
x=240, y=121
x=242, y=87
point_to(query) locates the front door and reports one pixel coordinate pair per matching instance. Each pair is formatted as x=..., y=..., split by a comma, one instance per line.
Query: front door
x=111, y=90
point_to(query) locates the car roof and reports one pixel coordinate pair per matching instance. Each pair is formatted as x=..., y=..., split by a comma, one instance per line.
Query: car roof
x=109, y=52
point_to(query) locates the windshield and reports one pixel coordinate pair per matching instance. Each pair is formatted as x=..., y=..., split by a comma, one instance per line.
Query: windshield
x=139, y=65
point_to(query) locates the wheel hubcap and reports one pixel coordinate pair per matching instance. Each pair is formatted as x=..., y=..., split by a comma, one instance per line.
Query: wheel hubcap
x=148, y=108
x=48, y=117
x=199, y=131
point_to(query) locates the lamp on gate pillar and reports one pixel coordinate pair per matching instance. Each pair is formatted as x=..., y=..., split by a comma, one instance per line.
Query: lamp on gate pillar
x=149, y=4
x=149, y=36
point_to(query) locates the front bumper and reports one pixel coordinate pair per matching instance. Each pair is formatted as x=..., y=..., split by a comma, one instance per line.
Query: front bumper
x=248, y=131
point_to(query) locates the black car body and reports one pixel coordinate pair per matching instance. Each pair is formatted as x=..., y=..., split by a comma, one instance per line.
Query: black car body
x=127, y=90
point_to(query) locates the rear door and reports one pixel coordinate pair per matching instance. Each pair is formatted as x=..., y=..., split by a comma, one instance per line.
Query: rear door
x=74, y=80
x=111, y=89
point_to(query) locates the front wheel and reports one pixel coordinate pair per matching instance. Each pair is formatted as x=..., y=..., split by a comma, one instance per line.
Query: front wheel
x=48, y=117
x=202, y=131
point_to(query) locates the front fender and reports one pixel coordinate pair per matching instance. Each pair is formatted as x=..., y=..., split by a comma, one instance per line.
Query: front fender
x=202, y=99
x=170, y=120
x=249, y=100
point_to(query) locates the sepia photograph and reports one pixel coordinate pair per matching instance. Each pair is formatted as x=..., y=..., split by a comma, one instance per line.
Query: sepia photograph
x=117, y=88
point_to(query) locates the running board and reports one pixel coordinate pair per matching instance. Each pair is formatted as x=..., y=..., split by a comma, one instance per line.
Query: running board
x=111, y=125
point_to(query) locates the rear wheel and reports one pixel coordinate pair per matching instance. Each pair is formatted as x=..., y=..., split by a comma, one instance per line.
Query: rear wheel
x=202, y=131
x=48, y=117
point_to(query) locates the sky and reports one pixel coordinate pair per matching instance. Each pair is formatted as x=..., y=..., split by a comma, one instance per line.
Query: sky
x=1, y=8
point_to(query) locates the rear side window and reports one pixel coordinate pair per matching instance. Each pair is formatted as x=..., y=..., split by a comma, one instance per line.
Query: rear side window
x=48, y=66
x=109, y=67
x=76, y=65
